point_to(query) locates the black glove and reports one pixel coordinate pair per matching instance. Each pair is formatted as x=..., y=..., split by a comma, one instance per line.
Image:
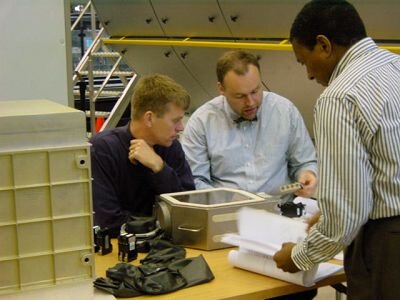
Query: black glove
x=194, y=270
x=163, y=270
x=161, y=282
x=118, y=289
x=123, y=270
x=163, y=252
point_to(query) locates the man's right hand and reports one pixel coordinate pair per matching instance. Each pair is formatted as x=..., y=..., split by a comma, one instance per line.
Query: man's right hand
x=309, y=182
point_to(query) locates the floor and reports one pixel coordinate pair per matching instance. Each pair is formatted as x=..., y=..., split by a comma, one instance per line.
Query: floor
x=328, y=293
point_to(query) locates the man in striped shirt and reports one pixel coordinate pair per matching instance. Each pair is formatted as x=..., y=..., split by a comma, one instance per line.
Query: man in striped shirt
x=357, y=132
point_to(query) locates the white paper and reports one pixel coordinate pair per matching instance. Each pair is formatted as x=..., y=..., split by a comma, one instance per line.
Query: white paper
x=250, y=245
x=263, y=264
x=266, y=227
x=339, y=256
x=261, y=234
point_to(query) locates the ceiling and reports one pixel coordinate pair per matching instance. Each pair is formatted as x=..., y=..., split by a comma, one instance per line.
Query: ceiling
x=233, y=21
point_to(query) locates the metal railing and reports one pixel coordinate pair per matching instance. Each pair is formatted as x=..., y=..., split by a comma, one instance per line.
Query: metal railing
x=85, y=68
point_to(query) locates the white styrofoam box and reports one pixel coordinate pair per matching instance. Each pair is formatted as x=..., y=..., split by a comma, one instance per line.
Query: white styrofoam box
x=46, y=235
x=82, y=290
x=37, y=123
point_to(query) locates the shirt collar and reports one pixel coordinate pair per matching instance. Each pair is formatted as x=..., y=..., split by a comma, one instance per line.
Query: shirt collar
x=354, y=52
x=127, y=132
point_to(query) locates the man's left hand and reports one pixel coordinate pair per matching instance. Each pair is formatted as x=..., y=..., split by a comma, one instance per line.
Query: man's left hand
x=284, y=260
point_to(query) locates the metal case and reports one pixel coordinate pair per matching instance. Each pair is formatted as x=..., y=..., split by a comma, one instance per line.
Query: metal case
x=199, y=219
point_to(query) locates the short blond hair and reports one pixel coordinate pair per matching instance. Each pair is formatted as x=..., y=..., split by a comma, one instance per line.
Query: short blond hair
x=154, y=92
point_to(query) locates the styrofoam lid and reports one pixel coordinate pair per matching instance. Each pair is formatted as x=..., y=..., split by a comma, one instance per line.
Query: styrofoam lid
x=26, y=124
x=31, y=107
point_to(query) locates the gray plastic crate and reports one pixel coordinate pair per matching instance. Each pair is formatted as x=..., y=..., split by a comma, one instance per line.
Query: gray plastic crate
x=45, y=196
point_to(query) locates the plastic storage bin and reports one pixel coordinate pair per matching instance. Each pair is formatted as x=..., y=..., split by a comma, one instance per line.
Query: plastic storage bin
x=45, y=196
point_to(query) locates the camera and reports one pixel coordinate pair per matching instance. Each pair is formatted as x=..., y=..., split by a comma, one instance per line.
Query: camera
x=292, y=210
x=135, y=236
x=102, y=242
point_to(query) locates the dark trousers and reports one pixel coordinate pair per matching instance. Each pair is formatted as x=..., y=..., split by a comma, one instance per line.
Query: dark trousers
x=372, y=262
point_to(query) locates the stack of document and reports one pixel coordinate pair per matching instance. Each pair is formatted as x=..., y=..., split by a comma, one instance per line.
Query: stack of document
x=261, y=234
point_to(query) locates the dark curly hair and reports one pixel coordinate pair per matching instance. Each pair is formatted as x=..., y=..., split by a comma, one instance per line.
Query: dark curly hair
x=338, y=20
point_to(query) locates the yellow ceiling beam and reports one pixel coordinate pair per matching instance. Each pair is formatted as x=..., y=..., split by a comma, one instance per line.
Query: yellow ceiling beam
x=394, y=49
x=202, y=44
x=281, y=46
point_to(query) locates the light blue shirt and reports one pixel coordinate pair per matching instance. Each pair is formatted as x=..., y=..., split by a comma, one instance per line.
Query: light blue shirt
x=256, y=156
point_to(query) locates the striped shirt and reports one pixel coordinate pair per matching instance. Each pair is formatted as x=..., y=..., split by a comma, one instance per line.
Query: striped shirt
x=357, y=131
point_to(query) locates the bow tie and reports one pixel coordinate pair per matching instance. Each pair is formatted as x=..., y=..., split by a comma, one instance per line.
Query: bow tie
x=241, y=119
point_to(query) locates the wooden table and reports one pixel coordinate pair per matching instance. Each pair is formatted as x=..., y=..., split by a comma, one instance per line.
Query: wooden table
x=229, y=282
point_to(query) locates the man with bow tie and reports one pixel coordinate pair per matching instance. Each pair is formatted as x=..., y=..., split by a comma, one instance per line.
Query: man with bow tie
x=248, y=138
